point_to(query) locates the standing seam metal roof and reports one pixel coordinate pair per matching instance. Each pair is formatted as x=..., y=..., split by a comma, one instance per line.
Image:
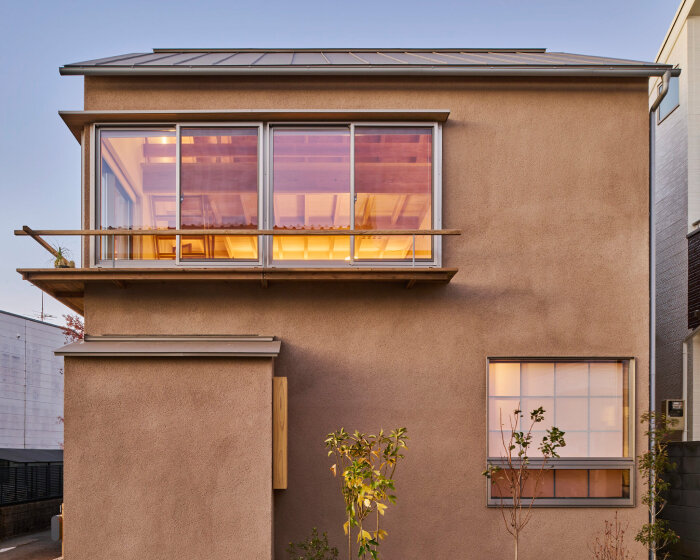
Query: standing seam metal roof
x=352, y=61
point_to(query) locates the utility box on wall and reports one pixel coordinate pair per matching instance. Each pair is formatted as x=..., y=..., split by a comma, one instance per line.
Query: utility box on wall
x=674, y=409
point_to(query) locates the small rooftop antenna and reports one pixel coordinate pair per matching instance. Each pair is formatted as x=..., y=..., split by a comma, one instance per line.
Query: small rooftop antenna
x=41, y=315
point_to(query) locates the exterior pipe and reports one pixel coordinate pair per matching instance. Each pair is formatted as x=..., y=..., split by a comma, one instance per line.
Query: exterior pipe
x=666, y=78
x=630, y=71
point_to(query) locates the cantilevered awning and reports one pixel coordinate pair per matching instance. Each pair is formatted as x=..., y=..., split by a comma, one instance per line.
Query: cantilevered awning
x=244, y=346
x=68, y=285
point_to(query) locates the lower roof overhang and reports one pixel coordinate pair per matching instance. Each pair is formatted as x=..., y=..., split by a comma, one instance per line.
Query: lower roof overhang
x=67, y=285
x=250, y=346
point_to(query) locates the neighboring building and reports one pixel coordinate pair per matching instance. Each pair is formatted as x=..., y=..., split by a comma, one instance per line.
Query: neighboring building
x=677, y=211
x=333, y=173
x=31, y=383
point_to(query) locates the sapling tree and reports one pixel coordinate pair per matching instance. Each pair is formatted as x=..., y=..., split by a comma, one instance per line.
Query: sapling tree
x=611, y=544
x=315, y=547
x=656, y=535
x=512, y=474
x=366, y=464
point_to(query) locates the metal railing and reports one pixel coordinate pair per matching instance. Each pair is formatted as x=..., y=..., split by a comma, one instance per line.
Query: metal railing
x=115, y=232
x=30, y=483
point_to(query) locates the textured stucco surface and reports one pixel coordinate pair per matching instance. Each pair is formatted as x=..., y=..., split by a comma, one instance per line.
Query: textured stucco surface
x=548, y=180
x=168, y=457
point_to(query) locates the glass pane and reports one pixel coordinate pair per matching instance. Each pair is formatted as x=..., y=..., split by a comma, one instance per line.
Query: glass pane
x=219, y=183
x=572, y=414
x=576, y=445
x=606, y=379
x=504, y=379
x=311, y=190
x=609, y=483
x=571, y=378
x=500, y=487
x=538, y=379
x=531, y=403
x=606, y=414
x=501, y=411
x=606, y=444
x=393, y=190
x=137, y=191
x=571, y=483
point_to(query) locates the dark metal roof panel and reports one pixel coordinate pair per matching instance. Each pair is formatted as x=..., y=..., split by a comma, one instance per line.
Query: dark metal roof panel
x=356, y=60
x=344, y=58
x=31, y=455
x=309, y=58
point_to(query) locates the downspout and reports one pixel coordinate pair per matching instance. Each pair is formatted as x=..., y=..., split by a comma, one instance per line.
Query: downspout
x=652, y=269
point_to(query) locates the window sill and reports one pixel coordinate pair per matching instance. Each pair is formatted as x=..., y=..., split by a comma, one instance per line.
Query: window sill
x=67, y=285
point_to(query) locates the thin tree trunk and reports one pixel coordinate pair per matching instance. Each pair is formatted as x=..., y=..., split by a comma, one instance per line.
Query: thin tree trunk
x=349, y=540
x=515, y=540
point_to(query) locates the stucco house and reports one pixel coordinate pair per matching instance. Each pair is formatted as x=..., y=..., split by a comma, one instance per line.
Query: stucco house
x=278, y=243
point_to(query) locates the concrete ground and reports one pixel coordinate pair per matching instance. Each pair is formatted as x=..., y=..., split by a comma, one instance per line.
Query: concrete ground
x=35, y=546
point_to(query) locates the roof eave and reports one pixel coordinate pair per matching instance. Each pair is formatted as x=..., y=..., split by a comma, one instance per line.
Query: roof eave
x=627, y=71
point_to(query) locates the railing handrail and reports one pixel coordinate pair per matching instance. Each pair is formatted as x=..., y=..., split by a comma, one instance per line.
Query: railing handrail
x=233, y=232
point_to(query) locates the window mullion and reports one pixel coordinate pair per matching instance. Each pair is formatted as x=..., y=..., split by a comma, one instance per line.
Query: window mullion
x=178, y=191
x=352, y=192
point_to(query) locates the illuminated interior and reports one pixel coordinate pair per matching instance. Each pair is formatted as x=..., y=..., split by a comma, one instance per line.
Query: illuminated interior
x=311, y=190
x=311, y=185
x=137, y=191
x=393, y=188
x=219, y=188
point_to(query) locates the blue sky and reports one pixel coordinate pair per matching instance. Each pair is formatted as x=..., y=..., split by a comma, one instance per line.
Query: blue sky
x=40, y=160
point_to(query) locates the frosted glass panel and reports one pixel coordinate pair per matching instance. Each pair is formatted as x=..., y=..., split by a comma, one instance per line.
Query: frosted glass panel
x=571, y=379
x=606, y=379
x=606, y=414
x=576, y=445
x=572, y=414
x=606, y=444
x=584, y=399
x=538, y=379
x=505, y=408
x=531, y=403
x=504, y=379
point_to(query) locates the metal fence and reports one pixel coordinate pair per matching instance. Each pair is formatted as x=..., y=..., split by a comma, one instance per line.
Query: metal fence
x=683, y=508
x=30, y=483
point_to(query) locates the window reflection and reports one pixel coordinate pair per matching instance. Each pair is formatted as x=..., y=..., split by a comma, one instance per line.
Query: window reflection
x=311, y=190
x=219, y=187
x=393, y=188
x=137, y=170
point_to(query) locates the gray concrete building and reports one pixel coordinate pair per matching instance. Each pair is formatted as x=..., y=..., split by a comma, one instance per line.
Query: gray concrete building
x=31, y=383
x=676, y=161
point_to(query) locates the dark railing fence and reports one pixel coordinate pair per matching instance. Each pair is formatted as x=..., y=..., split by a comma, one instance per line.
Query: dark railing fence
x=30, y=483
x=683, y=508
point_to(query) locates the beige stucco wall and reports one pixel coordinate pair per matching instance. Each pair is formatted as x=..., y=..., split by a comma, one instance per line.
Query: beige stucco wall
x=548, y=180
x=168, y=458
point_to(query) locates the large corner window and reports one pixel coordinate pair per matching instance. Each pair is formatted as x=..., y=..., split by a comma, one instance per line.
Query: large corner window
x=324, y=187
x=137, y=191
x=591, y=401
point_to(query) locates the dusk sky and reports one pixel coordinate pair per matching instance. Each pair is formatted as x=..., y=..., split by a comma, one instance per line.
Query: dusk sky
x=40, y=159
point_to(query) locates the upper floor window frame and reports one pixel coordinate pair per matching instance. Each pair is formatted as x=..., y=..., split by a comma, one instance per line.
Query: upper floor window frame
x=265, y=194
